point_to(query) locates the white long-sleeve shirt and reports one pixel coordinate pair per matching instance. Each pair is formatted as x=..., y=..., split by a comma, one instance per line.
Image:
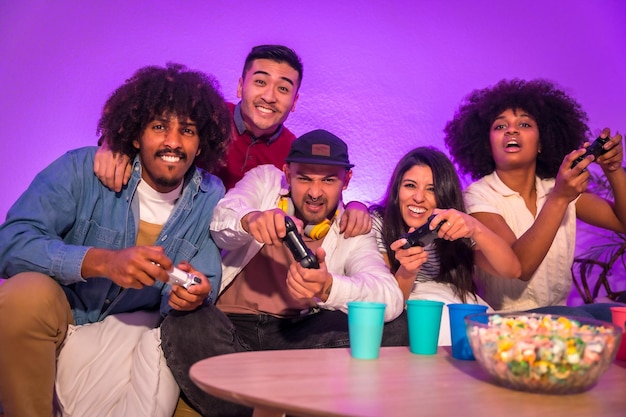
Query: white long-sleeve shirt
x=358, y=269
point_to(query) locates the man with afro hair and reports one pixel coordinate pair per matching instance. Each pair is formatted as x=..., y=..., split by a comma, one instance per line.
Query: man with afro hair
x=84, y=260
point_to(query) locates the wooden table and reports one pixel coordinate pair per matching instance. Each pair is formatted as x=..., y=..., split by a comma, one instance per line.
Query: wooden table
x=328, y=382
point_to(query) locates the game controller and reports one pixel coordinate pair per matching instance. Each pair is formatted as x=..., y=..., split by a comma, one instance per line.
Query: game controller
x=182, y=278
x=596, y=149
x=299, y=250
x=422, y=236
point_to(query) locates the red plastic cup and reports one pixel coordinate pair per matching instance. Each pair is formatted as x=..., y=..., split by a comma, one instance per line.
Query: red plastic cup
x=618, y=315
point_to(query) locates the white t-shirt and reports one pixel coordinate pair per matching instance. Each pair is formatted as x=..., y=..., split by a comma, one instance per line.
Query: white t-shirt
x=156, y=207
x=552, y=282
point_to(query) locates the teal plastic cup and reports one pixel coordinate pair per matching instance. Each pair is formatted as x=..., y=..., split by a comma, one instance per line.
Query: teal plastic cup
x=365, y=325
x=461, y=348
x=424, y=317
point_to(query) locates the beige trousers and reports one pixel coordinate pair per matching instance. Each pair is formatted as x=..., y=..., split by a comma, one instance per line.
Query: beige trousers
x=34, y=317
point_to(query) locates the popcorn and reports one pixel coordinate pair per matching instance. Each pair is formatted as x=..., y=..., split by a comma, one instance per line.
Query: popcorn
x=542, y=353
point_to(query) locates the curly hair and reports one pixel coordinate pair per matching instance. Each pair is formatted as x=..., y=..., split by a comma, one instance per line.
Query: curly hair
x=457, y=257
x=276, y=53
x=561, y=121
x=153, y=92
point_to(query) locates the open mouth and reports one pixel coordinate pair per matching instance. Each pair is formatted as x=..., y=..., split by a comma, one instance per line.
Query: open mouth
x=265, y=108
x=315, y=204
x=512, y=144
x=170, y=158
x=417, y=210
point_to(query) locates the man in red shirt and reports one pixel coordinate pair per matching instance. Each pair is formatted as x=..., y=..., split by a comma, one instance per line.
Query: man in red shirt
x=268, y=89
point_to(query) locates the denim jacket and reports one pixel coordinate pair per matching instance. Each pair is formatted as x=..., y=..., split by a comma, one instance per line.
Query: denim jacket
x=66, y=210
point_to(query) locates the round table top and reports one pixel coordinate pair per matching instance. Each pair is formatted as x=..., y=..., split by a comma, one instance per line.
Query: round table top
x=329, y=382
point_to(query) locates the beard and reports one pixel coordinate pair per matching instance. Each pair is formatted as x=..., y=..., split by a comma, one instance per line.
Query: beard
x=168, y=181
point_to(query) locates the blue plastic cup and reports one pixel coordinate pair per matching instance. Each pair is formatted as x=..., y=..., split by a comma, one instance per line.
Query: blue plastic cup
x=461, y=348
x=424, y=317
x=365, y=325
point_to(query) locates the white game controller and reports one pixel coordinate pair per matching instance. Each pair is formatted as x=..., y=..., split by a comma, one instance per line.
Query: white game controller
x=182, y=278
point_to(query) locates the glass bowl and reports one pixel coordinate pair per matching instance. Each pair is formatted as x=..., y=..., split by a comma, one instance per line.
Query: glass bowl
x=543, y=353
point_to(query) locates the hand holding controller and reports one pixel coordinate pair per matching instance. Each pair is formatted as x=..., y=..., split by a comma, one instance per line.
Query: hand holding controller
x=596, y=149
x=182, y=278
x=422, y=236
x=299, y=250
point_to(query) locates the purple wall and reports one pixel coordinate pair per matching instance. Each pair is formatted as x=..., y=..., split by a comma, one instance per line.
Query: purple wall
x=385, y=76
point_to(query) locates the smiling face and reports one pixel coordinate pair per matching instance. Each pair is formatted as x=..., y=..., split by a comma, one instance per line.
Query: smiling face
x=416, y=195
x=268, y=92
x=316, y=189
x=514, y=138
x=167, y=149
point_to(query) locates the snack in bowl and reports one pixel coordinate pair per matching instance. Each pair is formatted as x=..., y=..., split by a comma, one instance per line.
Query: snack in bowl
x=543, y=353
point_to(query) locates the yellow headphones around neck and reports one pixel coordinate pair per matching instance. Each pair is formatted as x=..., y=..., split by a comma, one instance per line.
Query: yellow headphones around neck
x=314, y=231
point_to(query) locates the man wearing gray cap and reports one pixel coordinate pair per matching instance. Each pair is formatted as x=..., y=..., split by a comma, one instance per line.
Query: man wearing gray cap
x=268, y=300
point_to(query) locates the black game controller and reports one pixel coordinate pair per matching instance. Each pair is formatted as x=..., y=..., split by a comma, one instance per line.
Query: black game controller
x=422, y=236
x=596, y=149
x=182, y=278
x=296, y=245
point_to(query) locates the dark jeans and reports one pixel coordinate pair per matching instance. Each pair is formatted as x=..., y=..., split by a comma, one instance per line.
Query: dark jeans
x=190, y=337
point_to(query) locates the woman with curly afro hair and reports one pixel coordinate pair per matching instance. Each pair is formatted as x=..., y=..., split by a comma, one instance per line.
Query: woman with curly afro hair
x=518, y=140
